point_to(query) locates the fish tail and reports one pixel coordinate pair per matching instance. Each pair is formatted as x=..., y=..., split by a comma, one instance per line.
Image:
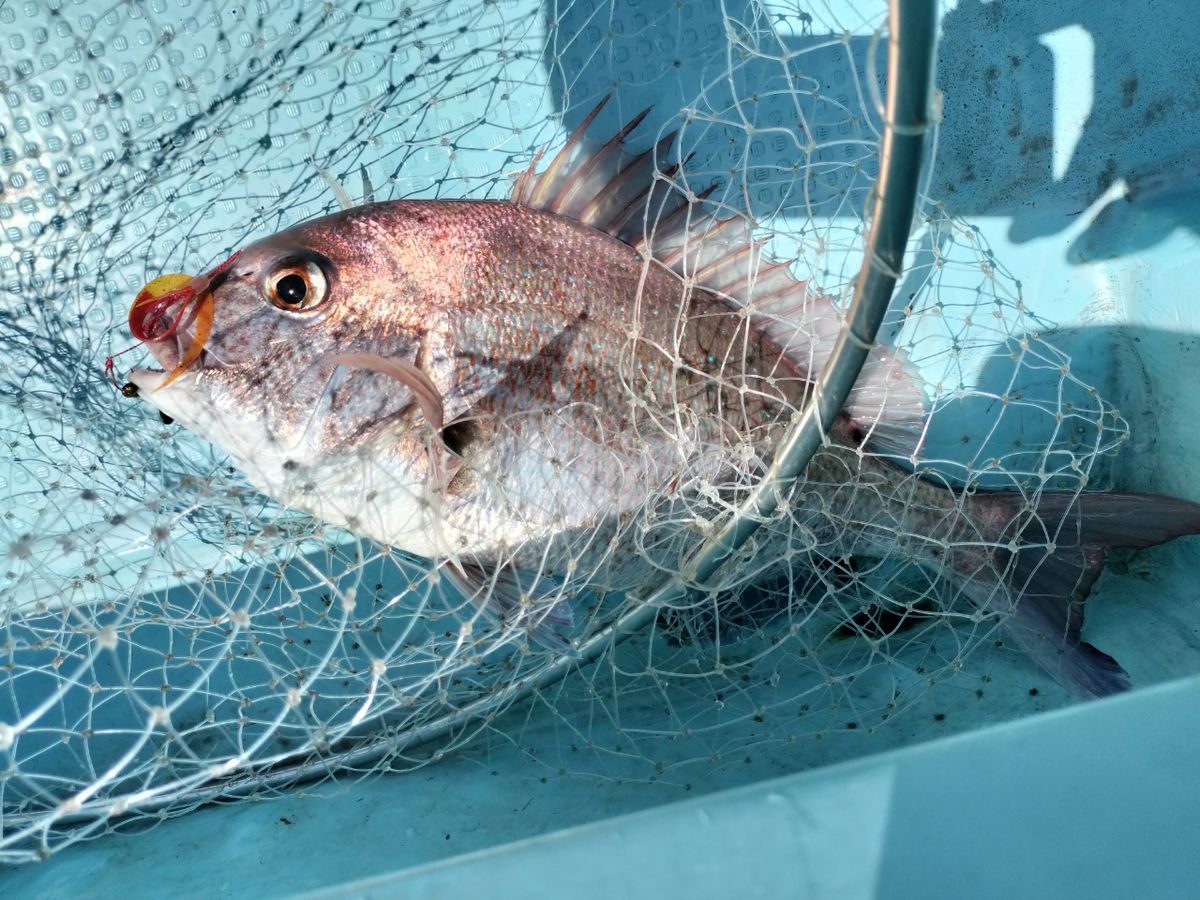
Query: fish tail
x=1053, y=550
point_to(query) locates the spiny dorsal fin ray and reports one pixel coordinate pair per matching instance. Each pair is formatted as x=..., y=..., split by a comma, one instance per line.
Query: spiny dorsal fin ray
x=638, y=194
x=622, y=192
x=534, y=190
x=634, y=198
x=596, y=165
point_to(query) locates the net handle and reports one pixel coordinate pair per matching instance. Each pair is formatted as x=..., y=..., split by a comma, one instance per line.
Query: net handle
x=912, y=26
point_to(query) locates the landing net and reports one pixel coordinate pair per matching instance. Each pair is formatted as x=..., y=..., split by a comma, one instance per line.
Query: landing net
x=169, y=635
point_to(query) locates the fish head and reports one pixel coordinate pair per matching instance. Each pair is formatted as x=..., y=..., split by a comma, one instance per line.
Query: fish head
x=248, y=350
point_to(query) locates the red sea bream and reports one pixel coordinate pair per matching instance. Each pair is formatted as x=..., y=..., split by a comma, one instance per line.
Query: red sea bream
x=566, y=389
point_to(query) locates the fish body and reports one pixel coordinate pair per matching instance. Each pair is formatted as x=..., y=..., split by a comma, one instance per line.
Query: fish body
x=570, y=394
x=548, y=393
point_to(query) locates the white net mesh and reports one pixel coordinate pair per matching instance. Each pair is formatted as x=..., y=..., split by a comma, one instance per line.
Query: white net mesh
x=168, y=634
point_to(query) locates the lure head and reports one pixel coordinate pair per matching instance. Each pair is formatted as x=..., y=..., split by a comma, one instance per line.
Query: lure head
x=169, y=310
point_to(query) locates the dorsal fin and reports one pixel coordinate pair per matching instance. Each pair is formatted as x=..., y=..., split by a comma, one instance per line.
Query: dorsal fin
x=629, y=197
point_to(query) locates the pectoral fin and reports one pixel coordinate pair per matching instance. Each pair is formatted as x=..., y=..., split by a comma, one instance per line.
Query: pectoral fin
x=532, y=602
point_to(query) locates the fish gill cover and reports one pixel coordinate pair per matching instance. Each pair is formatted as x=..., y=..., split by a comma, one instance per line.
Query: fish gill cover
x=170, y=635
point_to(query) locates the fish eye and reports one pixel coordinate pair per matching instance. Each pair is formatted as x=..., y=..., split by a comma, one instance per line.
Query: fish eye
x=297, y=286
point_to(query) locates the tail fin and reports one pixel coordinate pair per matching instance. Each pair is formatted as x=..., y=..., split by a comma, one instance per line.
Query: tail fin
x=1061, y=548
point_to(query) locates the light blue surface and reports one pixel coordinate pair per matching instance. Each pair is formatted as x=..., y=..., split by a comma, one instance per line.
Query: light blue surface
x=1098, y=800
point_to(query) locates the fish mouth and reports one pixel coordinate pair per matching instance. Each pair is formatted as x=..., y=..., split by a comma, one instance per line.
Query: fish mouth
x=147, y=380
x=171, y=354
x=155, y=386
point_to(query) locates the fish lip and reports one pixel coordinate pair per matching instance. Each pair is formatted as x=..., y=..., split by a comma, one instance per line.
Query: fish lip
x=167, y=354
x=147, y=380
